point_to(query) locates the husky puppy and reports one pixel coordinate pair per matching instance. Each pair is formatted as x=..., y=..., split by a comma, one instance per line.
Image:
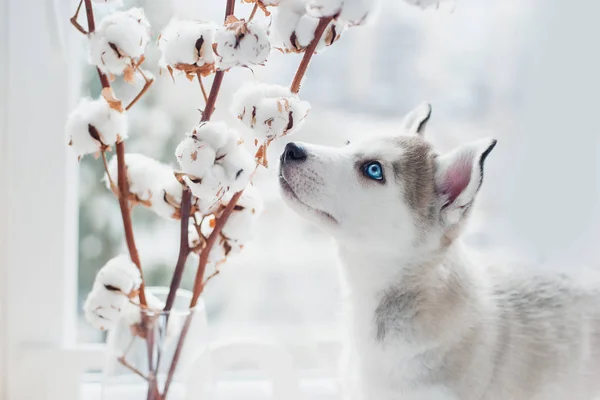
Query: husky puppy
x=425, y=323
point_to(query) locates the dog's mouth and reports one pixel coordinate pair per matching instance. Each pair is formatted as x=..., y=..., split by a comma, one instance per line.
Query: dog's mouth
x=288, y=191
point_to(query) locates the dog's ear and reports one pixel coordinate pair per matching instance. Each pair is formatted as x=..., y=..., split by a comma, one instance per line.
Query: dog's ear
x=458, y=177
x=416, y=120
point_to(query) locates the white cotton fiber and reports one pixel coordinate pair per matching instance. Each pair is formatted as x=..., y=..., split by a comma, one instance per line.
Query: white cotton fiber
x=241, y=43
x=93, y=125
x=119, y=41
x=116, y=281
x=271, y=111
x=188, y=46
x=294, y=28
x=214, y=160
x=102, y=308
x=242, y=222
x=119, y=273
x=351, y=12
x=152, y=183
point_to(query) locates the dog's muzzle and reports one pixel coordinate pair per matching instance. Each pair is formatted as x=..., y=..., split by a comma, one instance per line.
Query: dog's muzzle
x=293, y=153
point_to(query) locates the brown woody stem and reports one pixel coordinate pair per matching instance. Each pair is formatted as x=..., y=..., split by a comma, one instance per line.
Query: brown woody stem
x=122, y=180
x=308, y=53
x=184, y=248
x=89, y=13
x=123, y=184
x=210, y=242
x=76, y=24
x=212, y=97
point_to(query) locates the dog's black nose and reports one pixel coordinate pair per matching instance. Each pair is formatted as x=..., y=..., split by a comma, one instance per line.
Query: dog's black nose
x=293, y=153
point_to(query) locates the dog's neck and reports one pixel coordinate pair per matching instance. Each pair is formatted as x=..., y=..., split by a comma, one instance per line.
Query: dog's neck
x=438, y=285
x=373, y=271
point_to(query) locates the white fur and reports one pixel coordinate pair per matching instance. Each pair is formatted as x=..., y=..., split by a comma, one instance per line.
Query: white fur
x=424, y=323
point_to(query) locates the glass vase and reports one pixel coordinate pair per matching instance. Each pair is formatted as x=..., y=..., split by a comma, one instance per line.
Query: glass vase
x=149, y=359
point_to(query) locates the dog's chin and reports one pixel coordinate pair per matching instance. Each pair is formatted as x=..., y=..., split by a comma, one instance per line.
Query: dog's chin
x=311, y=213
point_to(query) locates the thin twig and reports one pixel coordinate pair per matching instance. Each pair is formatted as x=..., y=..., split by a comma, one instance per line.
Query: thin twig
x=217, y=272
x=308, y=53
x=133, y=369
x=74, y=20
x=253, y=13
x=113, y=187
x=147, y=83
x=199, y=75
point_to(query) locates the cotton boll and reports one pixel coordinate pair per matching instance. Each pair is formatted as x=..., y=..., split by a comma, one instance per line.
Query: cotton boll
x=128, y=30
x=241, y=43
x=119, y=41
x=238, y=165
x=263, y=4
x=250, y=200
x=352, y=12
x=102, y=308
x=241, y=224
x=223, y=249
x=195, y=157
x=94, y=125
x=271, y=111
x=211, y=186
x=212, y=160
x=187, y=46
x=152, y=183
x=294, y=28
x=119, y=274
x=107, y=57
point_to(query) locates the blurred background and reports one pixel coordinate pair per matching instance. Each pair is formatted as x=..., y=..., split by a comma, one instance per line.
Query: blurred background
x=520, y=71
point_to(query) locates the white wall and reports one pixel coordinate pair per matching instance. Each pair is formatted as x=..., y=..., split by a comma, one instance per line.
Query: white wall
x=550, y=186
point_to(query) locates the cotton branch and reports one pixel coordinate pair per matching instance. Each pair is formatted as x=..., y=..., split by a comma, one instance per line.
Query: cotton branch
x=208, y=110
x=308, y=53
x=199, y=283
x=122, y=180
x=184, y=248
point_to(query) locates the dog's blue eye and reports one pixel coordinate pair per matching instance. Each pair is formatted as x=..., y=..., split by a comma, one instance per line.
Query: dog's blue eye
x=373, y=170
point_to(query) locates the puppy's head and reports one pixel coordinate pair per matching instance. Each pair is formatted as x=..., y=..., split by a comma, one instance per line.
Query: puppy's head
x=391, y=193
